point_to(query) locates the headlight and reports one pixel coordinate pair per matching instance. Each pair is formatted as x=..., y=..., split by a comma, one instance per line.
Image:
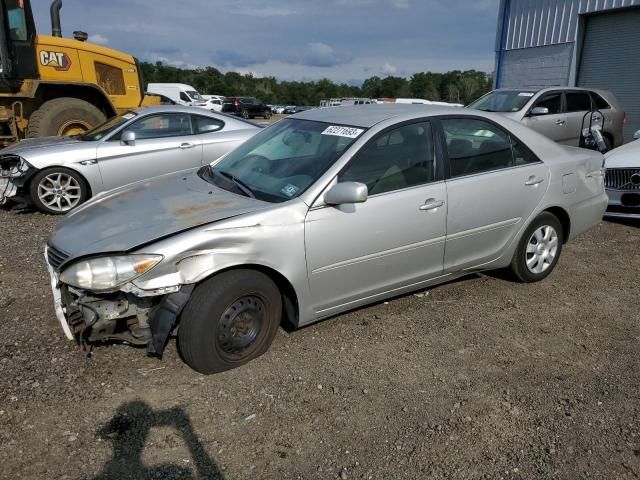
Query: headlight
x=13, y=166
x=107, y=273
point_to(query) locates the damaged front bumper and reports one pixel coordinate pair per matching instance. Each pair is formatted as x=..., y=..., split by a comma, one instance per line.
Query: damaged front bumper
x=14, y=173
x=88, y=317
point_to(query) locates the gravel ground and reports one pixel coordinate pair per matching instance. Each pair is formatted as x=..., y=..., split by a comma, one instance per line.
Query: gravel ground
x=480, y=378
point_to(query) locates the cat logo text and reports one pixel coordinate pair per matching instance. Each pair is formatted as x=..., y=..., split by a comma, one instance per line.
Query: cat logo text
x=58, y=60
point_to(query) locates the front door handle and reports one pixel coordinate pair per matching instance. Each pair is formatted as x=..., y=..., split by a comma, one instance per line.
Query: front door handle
x=186, y=146
x=560, y=122
x=533, y=181
x=431, y=204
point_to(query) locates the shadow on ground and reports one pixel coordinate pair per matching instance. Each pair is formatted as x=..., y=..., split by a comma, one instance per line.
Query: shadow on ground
x=128, y=431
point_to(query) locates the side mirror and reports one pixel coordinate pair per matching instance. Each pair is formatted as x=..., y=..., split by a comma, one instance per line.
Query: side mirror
x=636, y=135
x=347, y=192
x=539, y=111
x=128, y=138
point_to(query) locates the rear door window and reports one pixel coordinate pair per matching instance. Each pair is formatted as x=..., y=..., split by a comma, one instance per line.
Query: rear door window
x=578, y=102
x=476, y=146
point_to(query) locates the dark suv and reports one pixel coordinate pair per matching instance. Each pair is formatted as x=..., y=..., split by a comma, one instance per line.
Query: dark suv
x=246, y=107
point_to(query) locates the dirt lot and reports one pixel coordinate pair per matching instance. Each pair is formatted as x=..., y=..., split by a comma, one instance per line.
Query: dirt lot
x=481, y=378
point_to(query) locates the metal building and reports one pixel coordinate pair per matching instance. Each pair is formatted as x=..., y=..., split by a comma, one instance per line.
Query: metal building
x=589, y=43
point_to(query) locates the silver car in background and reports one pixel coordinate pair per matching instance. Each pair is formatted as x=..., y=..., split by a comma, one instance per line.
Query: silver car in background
x=558, y=112
x=57, y=174
x=320, y=213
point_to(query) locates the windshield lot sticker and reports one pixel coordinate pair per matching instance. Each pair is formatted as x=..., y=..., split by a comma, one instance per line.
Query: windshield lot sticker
x=128, y=116
x=525, y=94
x=289, y=190
x=338, y=131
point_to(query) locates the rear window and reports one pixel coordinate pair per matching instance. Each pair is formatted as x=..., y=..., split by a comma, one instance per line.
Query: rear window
x=600, y=102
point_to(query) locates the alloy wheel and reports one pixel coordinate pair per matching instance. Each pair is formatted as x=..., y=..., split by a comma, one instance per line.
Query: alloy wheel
x=542, y=249
x=59, y=191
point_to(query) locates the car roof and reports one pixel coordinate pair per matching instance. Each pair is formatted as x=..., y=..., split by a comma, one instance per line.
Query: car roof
x=194, y=111
x=366, y=116
x=550, y=89
x=173, y=109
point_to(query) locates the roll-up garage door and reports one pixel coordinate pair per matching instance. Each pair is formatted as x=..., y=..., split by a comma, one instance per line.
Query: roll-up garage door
x=611, y=60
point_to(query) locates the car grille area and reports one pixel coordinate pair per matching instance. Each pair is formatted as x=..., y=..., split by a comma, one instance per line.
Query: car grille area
x=56, y=257
x=622, y=179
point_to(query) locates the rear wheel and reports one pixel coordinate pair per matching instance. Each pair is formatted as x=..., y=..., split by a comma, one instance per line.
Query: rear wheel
x=267, y=114
x=539, y=249
x=244, y=113
x=64, y=116
x=58, y=190
x=230, y=319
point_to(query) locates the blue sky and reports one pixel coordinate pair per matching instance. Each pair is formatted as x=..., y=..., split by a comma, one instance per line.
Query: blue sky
x=344, y=40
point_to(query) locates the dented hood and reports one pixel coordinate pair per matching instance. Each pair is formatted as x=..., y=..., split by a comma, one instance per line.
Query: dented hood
x=128, y=217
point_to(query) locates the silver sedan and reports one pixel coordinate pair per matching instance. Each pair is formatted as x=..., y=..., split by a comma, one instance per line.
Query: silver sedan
x=323, y=212
x=57, y=174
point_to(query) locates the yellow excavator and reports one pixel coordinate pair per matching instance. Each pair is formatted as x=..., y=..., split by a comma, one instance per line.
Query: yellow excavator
x=50, y=85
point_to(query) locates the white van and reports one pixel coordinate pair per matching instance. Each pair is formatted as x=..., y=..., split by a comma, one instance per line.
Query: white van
x=178, y=92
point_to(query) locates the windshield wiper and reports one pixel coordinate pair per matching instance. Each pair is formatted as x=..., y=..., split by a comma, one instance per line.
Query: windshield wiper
x=239, y=183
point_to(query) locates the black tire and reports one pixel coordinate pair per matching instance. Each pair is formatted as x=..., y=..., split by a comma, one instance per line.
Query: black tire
x=73, y=184
x=244, y=114
x=267, y=114
x=209, y=322
x=519, y=266
x=63, y=116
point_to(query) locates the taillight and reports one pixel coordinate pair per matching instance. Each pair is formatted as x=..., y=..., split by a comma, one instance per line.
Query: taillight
x=237, y=103
x=624, y=118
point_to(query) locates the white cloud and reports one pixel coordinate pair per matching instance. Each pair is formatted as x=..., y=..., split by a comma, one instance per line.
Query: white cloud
x=98, y=39
x=153, y=58
x=389, y=69
x=320, y=48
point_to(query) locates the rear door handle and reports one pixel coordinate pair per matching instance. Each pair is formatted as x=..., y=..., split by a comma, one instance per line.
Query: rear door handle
x=533, y=181
x=431, y=204
x=560, y=122
x=185, y=146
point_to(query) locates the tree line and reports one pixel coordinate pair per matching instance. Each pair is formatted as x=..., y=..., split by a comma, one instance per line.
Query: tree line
x=454, y=86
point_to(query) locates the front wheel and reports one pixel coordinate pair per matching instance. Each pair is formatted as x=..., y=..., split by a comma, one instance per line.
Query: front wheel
x=244, y=114
x=267, y=115
x=230, y=319
x=539, y=249
x=58, y=190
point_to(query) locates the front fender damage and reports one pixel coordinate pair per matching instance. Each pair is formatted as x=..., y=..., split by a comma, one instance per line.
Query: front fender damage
x=124, y=316
x=165, y=317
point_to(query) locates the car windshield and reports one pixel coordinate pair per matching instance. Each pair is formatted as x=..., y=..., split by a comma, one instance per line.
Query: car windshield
x=503, y=101
x=194, y=95
x=104, y=129
x=282, y=161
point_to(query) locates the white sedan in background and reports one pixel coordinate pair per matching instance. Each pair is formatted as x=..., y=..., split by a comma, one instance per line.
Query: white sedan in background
x=622, y=180
x=213, y=103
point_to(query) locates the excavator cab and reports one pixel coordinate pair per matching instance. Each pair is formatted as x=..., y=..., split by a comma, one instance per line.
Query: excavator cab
x=17, y=45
